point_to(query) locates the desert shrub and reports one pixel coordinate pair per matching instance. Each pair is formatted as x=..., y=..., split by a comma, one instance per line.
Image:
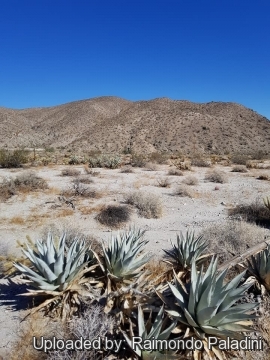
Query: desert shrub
x=263, y=177
x=163, y=182
x=190, y=180
x=183, y=191
x=254, y=164
x=239, y=168
x=239, y=158
x=182, y=165
x=29, y=181
x=148, y=205
x=126, y=170
x=151, y=166
x=77, y=188
x=138, y=160
x=83, y=179
x=93, y=323
x=107, y=161
x=90, y=171
x=232, y=238
x=70, y=172
x=76, y=160
x=255, y=212
x=201, y=162
x=216, y=176
x=13, y=159
x=7, y=189
x=114, y=215
x=175, y=172
x=158, y=158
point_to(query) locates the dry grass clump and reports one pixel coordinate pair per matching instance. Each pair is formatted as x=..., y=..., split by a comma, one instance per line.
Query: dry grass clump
x=255, y=212
x=216, y=176
x=175, y=172
x=158, y=158
x=190, y=180
x=90, y=171
x=183, y=191
x=163, y=182
x=240, y=159
x=13, y=159
x=114, y=215
x=149, y=205
x=70, y=172
x=84, y=179
x=150, y=166
x=239, y=168
x=138, y=160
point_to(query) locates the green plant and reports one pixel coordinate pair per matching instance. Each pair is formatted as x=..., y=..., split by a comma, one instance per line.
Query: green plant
x=149, y=331
x=210, y=306
x=13, y=159
x=124, y=257
x=57, y=271
x=187, y=250
x=259, y=266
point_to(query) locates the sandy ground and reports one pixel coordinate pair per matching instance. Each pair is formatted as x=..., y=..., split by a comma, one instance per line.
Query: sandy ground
x=31, y=214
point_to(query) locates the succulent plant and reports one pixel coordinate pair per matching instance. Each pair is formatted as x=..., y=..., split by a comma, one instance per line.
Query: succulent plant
x=208, y=306
x=188, y=249
x=124, y=257
x=151, y=331
x=259, y=266
x=55, y=267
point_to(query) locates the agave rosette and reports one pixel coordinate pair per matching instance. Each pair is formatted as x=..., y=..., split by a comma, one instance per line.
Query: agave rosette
x=187, y=249
x=124, y=256
x=55, y=267
x=209, y=306
x=259, y=266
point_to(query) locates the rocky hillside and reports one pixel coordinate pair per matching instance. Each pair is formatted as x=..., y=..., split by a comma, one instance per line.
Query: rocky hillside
x=115, y=124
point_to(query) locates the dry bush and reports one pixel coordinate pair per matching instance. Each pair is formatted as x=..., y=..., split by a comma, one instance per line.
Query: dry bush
x=255, y=164
x=240, y=159
x=151, y=166
x=83, y=179
x=127, y=170
x=149, y=205
x=216, y=176
x=160, y=271
x=201, y=162
x=79, y=189
x=70, y=172
x=190, y=180
x=13, y=159
x=175, y=172
x=114, y=215
x=138, y=160
x=7, y=189
x=163, y=182
x=255, y=212
x=239, y=168
x=264, y=177
x=29, y=181
x=158, y=158
x=183, y=191
x=93, y=323
x=90, y=171
x=182, y=165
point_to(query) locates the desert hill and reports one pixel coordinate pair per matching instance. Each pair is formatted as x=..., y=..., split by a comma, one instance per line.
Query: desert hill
x=114, y=124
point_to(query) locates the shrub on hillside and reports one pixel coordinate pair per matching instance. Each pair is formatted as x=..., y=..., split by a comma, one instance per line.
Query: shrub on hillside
x=183, y=191
x=70, y=172
x=216, y=176
x=190, y=180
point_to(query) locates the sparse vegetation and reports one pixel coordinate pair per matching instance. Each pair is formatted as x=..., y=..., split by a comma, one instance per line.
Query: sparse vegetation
x=216, y=176
x=255, y=212
x=138, y=160
x=175, y=172
x=127, y=170
x=163, y=182
x=149, y=205
x=200, y=162
x=70, y=172
x=183, y=191
x=190, y=180
x=240, y=168
x=77, y=188
x=114, y=215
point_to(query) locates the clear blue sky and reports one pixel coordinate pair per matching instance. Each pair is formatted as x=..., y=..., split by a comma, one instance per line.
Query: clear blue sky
x=56, y=51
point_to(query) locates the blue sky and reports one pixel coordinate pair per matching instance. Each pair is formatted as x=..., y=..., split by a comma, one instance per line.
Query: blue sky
x=56, y=51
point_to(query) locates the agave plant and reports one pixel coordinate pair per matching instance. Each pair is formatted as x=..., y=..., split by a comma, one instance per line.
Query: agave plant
x=259, y=266
x=151, y=331
x=188, y=249
x=57, y=271
x=207, y=305
x=123, y=258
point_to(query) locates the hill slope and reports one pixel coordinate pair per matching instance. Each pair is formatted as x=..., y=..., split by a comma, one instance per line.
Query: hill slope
x=112, y=124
